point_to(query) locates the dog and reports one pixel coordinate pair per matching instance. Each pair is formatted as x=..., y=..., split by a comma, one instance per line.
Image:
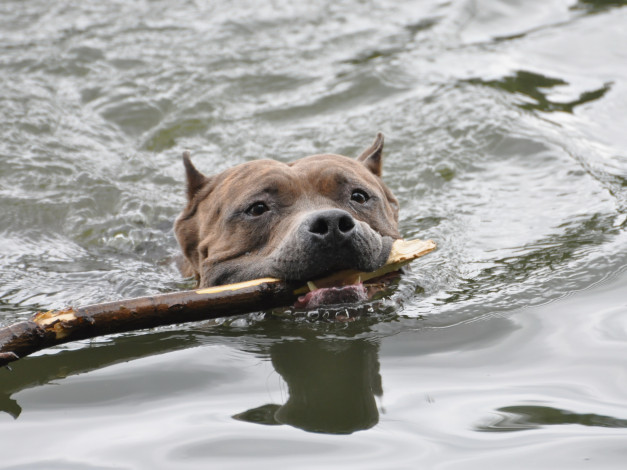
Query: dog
x=294, y=221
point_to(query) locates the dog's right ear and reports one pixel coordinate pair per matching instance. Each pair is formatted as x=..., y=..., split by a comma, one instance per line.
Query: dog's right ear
x=195, y=179
x=372, y=157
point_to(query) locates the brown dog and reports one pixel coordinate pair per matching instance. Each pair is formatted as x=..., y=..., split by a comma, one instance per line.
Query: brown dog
x=297, y=221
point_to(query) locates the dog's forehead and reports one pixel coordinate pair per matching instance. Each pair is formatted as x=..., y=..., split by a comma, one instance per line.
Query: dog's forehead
x=329, y=168
x=254, y=176
x=318, y=172
x=254, y=170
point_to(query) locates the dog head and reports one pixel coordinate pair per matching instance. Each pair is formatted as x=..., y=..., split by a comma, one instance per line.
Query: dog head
x=297, y=221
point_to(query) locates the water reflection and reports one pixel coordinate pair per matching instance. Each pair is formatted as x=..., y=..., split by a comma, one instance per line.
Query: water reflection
x=36, y=371
x=597, y=6
x=519, y=418
x=331, y=368
x=332, y=385
x=536, y=88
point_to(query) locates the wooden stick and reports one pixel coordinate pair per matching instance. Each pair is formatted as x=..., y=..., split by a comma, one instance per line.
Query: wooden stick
x=51, y=328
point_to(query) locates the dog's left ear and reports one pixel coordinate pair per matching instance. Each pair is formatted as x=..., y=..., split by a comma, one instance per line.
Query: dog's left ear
x=372, y=157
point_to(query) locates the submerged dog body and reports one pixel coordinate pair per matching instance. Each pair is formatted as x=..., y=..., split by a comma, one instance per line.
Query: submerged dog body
x=297, y=221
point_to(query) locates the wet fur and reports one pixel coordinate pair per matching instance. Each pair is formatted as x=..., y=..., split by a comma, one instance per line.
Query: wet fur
x=222, y=243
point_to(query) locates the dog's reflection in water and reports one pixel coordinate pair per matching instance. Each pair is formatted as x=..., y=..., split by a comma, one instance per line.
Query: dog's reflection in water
x=332, y=384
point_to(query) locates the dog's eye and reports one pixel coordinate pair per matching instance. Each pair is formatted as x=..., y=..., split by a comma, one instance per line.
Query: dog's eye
x=359, y=196
x=257, y=208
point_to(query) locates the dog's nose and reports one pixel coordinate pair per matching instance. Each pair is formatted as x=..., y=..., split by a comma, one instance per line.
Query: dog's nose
x=331, y=225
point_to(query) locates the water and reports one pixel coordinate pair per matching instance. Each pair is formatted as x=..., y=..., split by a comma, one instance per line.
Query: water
x=505, y=142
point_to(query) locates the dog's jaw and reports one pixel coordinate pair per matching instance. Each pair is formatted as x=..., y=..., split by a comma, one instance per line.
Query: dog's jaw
x=299, y=259
x=296, y=264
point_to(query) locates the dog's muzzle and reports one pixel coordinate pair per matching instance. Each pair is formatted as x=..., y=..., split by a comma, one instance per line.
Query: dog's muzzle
x=326, y=241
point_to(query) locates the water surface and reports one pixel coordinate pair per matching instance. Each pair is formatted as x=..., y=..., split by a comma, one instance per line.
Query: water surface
x=505, y=143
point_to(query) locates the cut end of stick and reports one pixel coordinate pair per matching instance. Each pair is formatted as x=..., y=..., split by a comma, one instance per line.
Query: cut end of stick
x=409, y=250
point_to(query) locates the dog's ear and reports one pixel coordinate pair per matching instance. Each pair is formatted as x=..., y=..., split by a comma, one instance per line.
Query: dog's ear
x=195, y=179
x=372, y=157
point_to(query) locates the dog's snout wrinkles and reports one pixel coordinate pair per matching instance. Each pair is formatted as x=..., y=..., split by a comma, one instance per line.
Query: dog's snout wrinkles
x=332, y=225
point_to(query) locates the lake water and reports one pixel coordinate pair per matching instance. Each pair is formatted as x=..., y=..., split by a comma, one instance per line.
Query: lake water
x=505, y=142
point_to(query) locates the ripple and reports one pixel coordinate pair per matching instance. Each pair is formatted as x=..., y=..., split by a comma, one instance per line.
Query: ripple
x=131, y=115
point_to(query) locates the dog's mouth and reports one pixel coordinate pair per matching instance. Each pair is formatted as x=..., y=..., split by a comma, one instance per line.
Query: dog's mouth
x=343, y=294
x=324, y=296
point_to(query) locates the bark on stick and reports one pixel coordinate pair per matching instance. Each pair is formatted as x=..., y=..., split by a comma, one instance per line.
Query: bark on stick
x=47, y=329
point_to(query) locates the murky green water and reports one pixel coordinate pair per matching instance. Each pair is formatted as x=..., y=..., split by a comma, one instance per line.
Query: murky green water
x=505, y=128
